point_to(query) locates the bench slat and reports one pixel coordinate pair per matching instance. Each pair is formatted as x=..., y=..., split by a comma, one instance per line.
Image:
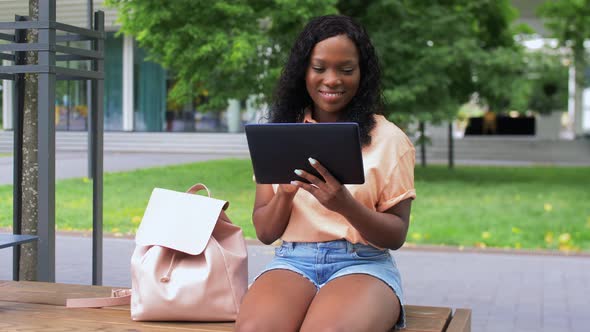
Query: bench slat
x=48, y=293
x=461, y=321
x=39, y=305
x=426, y=319
x=40, y=317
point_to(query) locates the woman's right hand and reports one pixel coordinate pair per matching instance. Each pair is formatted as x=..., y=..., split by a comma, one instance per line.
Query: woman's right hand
x=272, y=211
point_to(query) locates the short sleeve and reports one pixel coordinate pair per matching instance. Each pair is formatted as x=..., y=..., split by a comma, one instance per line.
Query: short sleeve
x=400, y=182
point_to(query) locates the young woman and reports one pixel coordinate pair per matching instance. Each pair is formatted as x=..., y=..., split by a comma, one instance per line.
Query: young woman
x=333, y=270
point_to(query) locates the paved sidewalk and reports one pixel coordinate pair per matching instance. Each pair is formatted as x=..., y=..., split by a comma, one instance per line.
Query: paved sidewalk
x=507, y=292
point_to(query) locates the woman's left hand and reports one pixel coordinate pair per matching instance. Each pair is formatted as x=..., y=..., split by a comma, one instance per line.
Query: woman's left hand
x=331, y=193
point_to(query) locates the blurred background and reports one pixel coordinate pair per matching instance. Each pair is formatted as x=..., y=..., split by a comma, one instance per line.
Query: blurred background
x=460, y=68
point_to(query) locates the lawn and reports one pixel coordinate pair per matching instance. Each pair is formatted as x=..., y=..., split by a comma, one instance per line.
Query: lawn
x=522, y=207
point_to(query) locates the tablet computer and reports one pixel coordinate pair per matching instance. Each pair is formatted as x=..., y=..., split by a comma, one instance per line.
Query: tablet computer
x=277, y=149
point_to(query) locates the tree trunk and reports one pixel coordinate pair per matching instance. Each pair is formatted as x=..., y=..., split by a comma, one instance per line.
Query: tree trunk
x=30, y=203
x=451, y=146
x=579, y=65
x=422, y=143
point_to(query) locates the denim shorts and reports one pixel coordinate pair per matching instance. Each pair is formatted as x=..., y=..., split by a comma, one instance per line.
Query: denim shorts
x=321, y=262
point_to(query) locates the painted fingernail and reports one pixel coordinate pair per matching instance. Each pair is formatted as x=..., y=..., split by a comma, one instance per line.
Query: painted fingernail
x=312, y=161
x=294, y=183
x=298, y=172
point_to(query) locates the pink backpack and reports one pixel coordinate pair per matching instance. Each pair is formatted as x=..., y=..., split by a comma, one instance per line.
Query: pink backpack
x=189, y=264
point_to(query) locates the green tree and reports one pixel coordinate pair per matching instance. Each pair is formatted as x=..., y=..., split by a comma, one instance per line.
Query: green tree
x=435, y=55
x=232, y=49
x=547, y=77
x=569, y=21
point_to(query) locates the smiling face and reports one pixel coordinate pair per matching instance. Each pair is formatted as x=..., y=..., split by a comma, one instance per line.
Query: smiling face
x=332, y=77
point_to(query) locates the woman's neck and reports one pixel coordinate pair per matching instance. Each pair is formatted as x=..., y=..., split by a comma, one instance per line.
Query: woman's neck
x=321, y=116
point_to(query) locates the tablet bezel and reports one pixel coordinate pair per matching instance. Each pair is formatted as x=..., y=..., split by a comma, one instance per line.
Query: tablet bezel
x=277, y=149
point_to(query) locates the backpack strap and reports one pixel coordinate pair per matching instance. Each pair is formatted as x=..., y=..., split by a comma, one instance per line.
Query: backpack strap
x=118, y=297
x=198, y=187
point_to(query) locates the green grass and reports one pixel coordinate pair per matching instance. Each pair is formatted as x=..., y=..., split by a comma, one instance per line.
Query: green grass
x=126, y=194
x=524, y=207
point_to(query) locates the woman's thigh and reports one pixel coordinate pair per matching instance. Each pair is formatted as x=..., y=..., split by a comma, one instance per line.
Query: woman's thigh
x=276, y=301
x=355, y=302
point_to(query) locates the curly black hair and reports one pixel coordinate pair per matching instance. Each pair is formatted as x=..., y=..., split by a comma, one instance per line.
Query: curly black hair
x=291, y=96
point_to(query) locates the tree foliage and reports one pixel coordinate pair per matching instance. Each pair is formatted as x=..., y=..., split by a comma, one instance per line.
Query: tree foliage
x=435, y=55
x=232, y=49
x=547, y=81
x=569, y=22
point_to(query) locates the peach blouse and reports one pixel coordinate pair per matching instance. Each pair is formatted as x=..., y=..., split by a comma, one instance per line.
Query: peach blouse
x=389, y=178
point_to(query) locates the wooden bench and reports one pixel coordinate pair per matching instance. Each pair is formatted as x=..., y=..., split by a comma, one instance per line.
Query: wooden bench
x=39, y=306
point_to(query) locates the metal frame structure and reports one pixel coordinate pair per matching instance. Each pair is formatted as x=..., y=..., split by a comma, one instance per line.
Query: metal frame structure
x=48, y=72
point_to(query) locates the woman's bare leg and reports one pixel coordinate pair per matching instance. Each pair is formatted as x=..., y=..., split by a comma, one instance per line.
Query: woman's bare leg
x=355, y=302
x=277, y=301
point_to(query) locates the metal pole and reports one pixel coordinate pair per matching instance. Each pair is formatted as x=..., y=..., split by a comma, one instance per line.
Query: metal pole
x=46, y=144
x=17, y=125
x=69, y=98
x=89, y=96
x=96, y=130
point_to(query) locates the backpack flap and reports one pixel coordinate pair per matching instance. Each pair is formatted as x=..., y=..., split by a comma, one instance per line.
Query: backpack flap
x=180, y=221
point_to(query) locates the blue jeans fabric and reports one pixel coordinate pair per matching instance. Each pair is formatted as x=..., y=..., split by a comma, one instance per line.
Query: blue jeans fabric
x=321, y=262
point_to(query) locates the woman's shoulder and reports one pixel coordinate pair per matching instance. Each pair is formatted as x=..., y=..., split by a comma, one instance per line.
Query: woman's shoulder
x=387, y=132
